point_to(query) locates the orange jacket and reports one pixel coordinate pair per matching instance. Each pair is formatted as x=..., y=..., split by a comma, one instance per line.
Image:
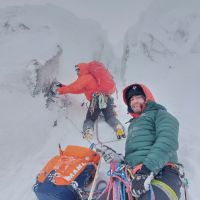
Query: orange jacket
x=85, y=83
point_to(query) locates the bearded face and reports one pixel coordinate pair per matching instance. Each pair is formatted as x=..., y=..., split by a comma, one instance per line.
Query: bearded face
x=137, y=103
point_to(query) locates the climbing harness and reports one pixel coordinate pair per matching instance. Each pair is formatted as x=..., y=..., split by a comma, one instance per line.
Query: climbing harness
x=171, y=194
x=165, y=188
x=99, y=100
x=103, y=99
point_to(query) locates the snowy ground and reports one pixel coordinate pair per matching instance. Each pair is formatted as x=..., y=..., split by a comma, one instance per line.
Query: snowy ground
x=161, y=50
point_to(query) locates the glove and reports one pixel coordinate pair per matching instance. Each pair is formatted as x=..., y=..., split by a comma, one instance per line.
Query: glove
x=110, y=155
x=141, y=182
x=53, y=88
x=57, y=84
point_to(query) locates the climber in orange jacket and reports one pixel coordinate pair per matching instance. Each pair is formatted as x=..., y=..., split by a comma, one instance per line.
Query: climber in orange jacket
x=97, y=84
x=85, y=83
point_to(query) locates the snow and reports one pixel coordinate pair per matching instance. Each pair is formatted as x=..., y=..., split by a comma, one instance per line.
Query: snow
x=58, y=41
x=44, y=41
x=107, y=12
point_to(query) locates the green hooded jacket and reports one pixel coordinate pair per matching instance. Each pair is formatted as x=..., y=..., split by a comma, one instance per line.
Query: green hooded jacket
x=152, y=138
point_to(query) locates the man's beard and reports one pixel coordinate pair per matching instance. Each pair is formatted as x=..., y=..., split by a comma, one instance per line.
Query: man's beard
x=138, y=109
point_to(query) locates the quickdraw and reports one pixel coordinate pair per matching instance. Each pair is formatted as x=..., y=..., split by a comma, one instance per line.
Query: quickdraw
x=102, y=101
x=119, y=183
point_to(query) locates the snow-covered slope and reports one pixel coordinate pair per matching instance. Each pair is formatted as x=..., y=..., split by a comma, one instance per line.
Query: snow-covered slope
x=38, y=44
x=162, y=51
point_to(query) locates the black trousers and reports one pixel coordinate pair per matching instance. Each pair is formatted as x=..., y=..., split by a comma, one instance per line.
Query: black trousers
x=108, y=113
x=169, y=176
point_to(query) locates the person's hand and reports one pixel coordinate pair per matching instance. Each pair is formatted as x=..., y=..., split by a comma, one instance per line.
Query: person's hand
x=110, y=155
x=141, y=182
x=58, y=84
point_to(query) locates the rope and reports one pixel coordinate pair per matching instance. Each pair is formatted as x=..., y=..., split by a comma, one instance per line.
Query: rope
x=94, y=181
x=118, y=182
x=97, y=133
x=152, y=195
x=78, y=129
x=117, y=94
x=98, y=167
x=73, y=123
x=115, y=140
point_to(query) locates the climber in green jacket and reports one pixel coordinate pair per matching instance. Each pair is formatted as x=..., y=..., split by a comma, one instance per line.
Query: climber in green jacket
x=151, y=146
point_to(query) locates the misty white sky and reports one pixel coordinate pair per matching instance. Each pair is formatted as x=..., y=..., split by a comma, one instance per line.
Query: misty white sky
x=115, y=16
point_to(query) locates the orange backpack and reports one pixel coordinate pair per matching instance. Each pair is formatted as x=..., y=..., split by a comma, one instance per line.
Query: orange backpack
x=69, y=164
x=103, y=77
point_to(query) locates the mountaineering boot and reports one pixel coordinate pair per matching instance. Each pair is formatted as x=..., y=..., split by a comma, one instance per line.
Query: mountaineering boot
x=120, y=132
x=88, y=134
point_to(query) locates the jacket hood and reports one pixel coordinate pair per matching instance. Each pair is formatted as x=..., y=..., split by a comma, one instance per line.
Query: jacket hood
x=84, y=68
x=147, y=92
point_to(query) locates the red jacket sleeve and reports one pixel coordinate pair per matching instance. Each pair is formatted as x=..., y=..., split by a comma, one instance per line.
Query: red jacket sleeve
x=77, y=87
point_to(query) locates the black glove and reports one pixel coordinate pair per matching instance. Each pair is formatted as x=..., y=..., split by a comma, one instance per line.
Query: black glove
x=111, y=155
x=58, y=84
x=141, y=182
x=54, y=86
